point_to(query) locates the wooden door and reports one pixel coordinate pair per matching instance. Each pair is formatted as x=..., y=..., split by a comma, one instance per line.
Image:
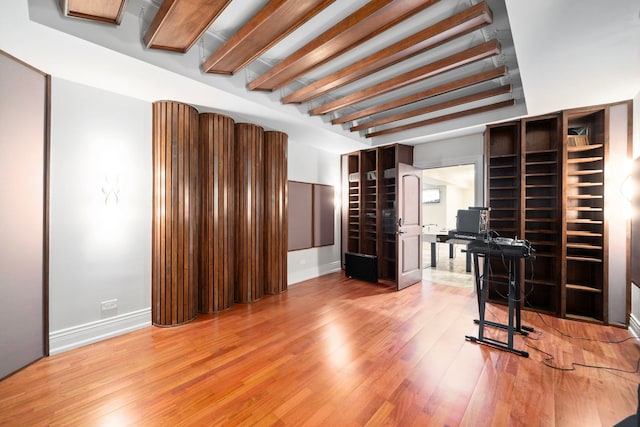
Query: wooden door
x=409, y=225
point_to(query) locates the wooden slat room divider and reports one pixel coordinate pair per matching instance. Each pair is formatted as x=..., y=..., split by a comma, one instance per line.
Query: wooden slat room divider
x=249, y=224
x=217, y=176
x=219, y=213
x=175, y=214
x=275, y=211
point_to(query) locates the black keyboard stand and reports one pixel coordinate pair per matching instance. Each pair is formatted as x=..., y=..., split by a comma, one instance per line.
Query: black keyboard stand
x=514, y=325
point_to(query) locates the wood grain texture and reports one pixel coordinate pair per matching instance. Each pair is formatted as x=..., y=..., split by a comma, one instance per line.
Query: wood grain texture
x=473, y=54
x=178, y=24
x=175, y=214
x=217, y=186
x=334, y=352
x=249, y=206
x=468, y=20
x=425, y=94
x=439, y=119
x=370, y=20
x=436, y=107
x=275, y=212
x=272, y=23
x=109, y=11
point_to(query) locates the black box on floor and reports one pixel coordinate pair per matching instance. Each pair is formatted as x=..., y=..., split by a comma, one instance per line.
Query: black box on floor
x=360, y=266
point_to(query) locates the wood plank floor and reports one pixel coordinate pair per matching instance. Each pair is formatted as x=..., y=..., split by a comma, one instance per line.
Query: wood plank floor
x=333, y=351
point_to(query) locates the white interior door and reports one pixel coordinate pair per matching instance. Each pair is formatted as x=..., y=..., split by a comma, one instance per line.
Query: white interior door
x=409, y=228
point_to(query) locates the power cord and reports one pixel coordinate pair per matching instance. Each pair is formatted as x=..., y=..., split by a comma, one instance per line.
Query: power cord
x=549, y=357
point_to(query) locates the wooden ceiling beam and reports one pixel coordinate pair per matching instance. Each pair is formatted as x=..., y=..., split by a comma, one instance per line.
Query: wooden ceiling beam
x=444, y=118
x=272, y=23
x=467, y=21
x=438, y=90
x=476, y=53
x=370, y=20
x=436, y=107
x=178, y=24
x=109, y=11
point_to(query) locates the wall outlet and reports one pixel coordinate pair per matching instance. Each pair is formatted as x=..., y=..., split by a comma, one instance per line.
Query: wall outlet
x=111, y=304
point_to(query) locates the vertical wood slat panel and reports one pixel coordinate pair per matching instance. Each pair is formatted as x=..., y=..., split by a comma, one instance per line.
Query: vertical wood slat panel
x=275, y=211
x=175, y=216
x=249, y=206
x=217, y=176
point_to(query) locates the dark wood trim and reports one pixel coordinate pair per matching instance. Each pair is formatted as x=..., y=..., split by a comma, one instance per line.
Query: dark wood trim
x=276, y=20
x=444, y=118
x=436, y=107
x=629, y=253
x=476, y=53
x=467, y=21
x=46, y=224
x=178, y=24
x=364, y=24
x=484, y=76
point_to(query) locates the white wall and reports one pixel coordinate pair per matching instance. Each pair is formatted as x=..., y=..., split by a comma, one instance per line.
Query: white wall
x=434, y=215
x=98, y=252
x=463, y=150
x=308, y=164
x=457, y=198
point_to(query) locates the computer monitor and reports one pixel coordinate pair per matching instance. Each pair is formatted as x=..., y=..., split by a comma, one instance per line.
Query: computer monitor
x=472, y=221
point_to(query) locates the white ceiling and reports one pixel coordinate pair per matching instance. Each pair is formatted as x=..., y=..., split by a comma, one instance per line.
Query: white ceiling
x=570, y=53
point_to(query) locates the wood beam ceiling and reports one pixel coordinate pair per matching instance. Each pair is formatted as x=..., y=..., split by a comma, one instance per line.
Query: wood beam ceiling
x=271, y=24
x=470, y=55
x=367, y=22
x=481, y=77
x=446, y=30
x=109, y=11
x=178, y=24
x=436, y=107
x=444, y=118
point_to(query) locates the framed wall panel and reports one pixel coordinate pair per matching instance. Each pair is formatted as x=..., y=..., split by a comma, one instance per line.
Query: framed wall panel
x=323, y=215
x=311, y=215
x=300, y=215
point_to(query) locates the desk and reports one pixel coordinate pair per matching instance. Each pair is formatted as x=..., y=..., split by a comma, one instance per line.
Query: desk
x=444, y=238
x=512, y=256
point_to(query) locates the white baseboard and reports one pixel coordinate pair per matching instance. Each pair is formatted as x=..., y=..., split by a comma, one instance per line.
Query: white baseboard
x=77, y=336
x=311, y=273
x=634, y=326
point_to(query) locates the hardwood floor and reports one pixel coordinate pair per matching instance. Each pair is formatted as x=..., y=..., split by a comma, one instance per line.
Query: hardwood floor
x=333, y=351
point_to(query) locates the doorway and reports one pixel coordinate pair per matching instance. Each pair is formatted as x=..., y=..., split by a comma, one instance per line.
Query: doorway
x=445, y=190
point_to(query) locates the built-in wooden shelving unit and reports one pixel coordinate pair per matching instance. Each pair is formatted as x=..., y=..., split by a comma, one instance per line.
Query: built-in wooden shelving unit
x=546, y=180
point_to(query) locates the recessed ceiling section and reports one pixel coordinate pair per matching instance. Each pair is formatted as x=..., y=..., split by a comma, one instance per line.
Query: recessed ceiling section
x=109, y=11
x=178, y=24
x=366, y=69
